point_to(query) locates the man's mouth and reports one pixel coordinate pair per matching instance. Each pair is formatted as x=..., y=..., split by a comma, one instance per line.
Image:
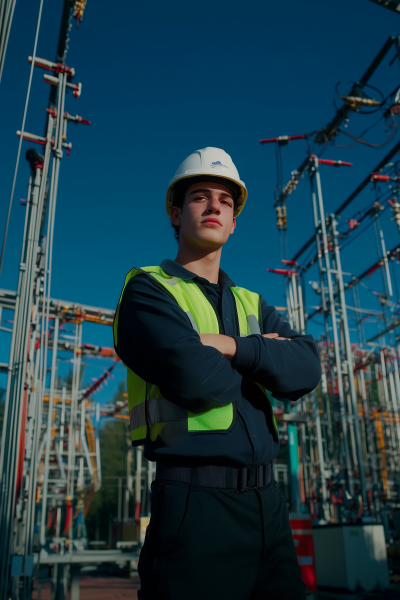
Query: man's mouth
x=211, y=221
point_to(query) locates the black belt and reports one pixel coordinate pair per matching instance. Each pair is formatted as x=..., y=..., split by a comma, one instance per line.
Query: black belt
x=241, y=479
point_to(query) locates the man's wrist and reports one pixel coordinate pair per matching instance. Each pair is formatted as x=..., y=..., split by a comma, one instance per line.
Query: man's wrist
x=223, y=343
x=231, y=347
x=246, y=352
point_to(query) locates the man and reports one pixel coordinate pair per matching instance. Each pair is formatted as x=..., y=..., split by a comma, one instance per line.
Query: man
x=202, y=357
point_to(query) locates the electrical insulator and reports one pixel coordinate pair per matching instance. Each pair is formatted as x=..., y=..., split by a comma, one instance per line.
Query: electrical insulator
x=289, y=187
x=79, y=8
x=279, y=221
x=283, y=139
x=284, y=218
x=396, y=212
x=353, y=223
x=356, y=101
x=380, y=177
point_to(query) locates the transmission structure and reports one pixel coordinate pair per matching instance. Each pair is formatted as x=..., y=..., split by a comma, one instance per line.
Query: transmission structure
x=345, y=464
x=50, y=459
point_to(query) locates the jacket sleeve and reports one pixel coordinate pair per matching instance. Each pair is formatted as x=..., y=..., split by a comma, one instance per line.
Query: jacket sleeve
x=287, y=369
x=157, y=342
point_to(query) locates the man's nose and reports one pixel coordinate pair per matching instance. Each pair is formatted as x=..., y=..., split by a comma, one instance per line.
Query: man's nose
x=213, y=205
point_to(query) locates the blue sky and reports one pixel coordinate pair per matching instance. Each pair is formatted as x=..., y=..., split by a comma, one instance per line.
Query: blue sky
x=163, y=79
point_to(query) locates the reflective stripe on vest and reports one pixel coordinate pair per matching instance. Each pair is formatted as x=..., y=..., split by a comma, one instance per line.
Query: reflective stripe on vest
x=151, y=415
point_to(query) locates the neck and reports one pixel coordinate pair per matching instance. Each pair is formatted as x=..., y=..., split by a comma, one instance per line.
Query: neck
x=205, y=263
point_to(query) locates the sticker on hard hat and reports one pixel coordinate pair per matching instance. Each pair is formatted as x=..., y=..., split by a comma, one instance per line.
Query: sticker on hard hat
x=218, y=163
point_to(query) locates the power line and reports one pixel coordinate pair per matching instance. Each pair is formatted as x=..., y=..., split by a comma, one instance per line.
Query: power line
x=22, y=133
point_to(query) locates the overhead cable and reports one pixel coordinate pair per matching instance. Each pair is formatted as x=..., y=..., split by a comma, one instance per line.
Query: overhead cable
x=22, y=131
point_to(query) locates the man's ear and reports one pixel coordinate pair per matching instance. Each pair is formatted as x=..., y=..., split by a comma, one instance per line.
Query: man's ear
x=176, y=216
x=233, y=226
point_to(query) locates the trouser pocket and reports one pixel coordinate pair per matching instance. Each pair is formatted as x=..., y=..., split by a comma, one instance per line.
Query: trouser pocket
x=169, y=509
x=173, y=516
x=148, y=554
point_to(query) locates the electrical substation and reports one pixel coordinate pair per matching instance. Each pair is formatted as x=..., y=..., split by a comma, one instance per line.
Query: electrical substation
x=339, y=465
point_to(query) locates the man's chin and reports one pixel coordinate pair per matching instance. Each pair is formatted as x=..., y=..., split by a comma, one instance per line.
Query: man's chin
x=211, y=236
x=206, y=238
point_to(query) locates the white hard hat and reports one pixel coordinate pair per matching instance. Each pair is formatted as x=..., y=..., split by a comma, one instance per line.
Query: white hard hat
x=213, y=163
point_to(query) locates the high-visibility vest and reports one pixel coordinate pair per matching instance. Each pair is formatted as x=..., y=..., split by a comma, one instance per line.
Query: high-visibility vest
x=151, y=415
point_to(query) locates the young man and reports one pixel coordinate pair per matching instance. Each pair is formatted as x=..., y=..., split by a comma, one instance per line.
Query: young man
x=201, y=354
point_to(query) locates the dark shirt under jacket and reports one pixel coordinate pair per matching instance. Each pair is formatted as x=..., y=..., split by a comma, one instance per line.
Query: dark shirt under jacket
x=157, y=341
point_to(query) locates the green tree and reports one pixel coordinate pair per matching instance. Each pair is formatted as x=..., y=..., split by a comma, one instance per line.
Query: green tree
x=114, y=435
x=66, y=380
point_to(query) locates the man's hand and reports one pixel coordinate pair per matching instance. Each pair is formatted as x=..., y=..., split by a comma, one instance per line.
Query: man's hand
x=223, y=343
x=275, y=336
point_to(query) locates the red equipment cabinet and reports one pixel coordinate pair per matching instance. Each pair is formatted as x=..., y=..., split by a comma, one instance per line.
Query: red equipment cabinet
x=304, y=544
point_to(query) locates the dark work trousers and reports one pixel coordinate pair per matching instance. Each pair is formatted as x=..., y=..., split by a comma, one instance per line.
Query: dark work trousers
x=208, y=543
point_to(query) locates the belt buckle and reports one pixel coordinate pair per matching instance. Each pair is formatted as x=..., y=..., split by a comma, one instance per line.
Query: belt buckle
x=252, y=477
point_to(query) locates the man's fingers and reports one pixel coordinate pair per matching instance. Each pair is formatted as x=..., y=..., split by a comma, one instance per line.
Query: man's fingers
x=275, y=336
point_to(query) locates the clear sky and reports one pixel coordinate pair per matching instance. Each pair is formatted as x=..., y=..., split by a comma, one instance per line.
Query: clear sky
x=162, y=79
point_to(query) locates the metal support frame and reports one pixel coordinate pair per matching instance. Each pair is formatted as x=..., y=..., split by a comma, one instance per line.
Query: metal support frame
x=23, y=468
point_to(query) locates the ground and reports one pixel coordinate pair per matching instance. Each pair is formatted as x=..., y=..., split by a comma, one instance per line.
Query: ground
x=99, y=588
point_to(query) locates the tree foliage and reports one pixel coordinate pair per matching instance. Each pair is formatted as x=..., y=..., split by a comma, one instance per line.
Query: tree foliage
x=114, y=444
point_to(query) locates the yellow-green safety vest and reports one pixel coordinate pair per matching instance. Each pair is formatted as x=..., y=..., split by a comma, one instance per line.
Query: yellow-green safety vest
x=151, y=415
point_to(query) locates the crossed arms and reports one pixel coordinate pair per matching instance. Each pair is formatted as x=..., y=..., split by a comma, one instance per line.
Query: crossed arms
x=156, y=341
x=227, y=345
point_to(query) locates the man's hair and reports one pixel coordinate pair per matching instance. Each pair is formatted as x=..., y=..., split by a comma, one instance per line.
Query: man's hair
x=180, y=192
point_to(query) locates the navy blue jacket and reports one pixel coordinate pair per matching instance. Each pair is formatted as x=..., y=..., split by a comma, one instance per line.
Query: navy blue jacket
x=157, y=341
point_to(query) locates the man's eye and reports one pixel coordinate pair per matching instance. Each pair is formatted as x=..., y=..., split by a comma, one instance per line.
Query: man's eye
x=227, y=202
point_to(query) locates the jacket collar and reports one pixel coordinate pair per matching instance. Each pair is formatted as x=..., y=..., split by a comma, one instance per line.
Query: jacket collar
x=171, y=267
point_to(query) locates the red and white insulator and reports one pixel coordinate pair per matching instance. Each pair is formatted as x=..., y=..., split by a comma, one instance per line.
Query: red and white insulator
x=76, y=119
x=50, y=66
x=380, y=177
x=287, y=272
x=31, y=137
x=68, y=147
x=51, y=80
x=283, y=139
x=76, y=87
x=332, y=163
x=42, y=62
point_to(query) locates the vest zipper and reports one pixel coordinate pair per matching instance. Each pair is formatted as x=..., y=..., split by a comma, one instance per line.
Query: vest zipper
x=236, y=312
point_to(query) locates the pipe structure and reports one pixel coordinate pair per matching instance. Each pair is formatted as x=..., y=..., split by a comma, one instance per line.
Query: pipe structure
x=367, y=441
x=6, y=17
x=48, y=435
x=15, y=394
x=353, y=195
x=349, y=359
x=27, y=369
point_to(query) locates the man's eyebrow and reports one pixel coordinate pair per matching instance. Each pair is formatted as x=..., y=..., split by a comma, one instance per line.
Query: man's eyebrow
x=210, y=190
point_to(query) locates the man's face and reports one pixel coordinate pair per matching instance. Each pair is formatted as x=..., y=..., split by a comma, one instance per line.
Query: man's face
x=207, y=218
